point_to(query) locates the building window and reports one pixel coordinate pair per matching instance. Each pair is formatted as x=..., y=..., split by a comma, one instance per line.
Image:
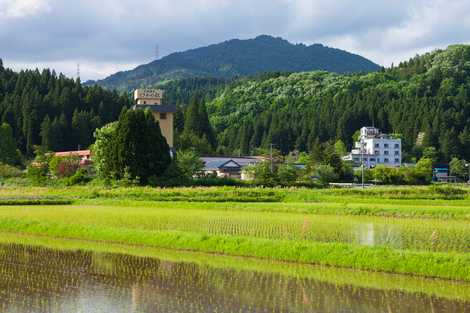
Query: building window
x=397, y=152
x=356, y=159
x=385, y=160
x=397, y=160
x=378, y=160
x=372, y=159
x=376, y=152
x=385, y=145
x=163, y=116
x=386, y=152
x=397, y=146
x=145, y=102
x=377, y=145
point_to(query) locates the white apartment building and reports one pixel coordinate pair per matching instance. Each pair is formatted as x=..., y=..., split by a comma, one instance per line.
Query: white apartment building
x=377, y=148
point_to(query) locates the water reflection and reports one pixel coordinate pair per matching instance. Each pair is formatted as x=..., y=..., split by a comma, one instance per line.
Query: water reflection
x=40, y=280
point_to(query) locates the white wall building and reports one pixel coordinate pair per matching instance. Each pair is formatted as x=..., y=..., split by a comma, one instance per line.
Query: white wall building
x=377, y=148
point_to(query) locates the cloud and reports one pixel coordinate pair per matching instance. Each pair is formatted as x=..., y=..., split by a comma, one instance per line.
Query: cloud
x=22, y=8
x=108, y=35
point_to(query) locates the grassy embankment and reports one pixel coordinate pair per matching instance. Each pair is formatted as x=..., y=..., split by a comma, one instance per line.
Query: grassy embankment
x=421, y=231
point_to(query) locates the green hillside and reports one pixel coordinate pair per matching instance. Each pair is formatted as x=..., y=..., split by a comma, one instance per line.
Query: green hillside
x=43, y=108
x=428, y=94
x=235, y=58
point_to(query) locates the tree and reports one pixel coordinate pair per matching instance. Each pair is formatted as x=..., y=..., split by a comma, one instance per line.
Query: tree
x=423, y=170
x=326, y=174
x=8, y=153
x=189, y=163
x=104, y=152
x=449, y=144
x=388, y=175
x=140, y=146
x=430, y=153
x=197, y=129
x=40, y=106
x=288, y=174
x=262, y=174
x=458, y=168
x=205, y=126
x=133, y=147
x=83, y=125
x=190, y=141
x=46, y=133
x=340, y=148
x=332, y=159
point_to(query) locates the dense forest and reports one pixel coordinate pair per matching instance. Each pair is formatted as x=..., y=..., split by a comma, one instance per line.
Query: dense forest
x=181, y=92
x=425, y=100
x=238, y=58
x=43, y=108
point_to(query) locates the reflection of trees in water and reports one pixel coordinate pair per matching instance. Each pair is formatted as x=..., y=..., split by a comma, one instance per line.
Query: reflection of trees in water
x=60, y=281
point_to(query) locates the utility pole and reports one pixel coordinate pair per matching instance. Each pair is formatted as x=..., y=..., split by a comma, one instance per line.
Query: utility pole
x=362, y=161
x=157, y=51
x=271, y=156
x=468, y=166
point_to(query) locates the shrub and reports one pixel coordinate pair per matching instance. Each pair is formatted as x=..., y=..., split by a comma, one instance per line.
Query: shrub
x=172, y=177
x=210, y=182
x=262, y=174
x=189, y=163
x=8, y=171
x=37, y=173
x=80, y=177
x=288, y=174
x=448, y=192
x=388, y=175
x=326, y=174
x=423, y=170
x=64, y=166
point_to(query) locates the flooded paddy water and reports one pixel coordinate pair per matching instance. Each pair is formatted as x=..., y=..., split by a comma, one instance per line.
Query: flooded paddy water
x=42, y=279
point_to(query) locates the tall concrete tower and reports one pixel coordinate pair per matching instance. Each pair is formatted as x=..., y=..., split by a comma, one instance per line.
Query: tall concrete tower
x=152, y=99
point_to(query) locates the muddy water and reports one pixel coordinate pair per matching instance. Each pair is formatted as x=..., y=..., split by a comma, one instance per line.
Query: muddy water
x=34, y=279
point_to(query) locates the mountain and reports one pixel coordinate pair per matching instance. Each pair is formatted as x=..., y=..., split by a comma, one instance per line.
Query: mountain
x=240, y=58
x=427, y=97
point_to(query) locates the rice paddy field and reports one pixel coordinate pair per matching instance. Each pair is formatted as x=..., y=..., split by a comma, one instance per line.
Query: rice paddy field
x=373, y=250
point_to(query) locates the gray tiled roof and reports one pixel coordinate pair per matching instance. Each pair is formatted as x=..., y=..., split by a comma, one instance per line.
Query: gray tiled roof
x=220, y=164
x=217, y=161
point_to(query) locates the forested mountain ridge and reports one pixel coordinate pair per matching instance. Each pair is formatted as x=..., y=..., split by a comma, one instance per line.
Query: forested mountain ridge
x=428, y=94
x=52, y=110
x=236, y=58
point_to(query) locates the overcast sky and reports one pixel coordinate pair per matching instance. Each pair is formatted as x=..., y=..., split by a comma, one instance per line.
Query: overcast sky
x=106, y=36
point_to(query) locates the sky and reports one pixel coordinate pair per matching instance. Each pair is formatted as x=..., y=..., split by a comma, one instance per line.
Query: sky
x=106, y=36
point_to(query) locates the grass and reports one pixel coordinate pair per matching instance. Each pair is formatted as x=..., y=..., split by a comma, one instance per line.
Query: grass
x=33, y=201
x=258, y=194
x=430, y=264
x=420, y=231
x=424, y=235
x=456, y=210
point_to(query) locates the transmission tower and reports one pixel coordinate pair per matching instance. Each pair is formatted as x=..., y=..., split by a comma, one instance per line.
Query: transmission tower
x=78, y=70
x=157, y=52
